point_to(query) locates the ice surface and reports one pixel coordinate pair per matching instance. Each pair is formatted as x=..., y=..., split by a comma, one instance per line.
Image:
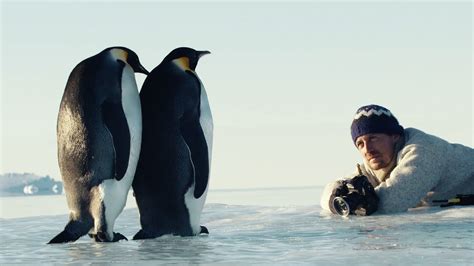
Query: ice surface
x=285, y=232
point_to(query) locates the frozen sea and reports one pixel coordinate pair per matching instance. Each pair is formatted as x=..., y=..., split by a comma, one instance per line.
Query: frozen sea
x=254, y=226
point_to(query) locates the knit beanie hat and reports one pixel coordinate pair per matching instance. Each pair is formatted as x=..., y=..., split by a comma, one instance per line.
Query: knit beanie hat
x=374, y=119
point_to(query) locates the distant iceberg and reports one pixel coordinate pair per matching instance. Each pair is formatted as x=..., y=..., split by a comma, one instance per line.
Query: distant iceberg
x=14, y=184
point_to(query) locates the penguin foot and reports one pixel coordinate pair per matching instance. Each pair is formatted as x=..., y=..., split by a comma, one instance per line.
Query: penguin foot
x=72, y=232
x=204, y=230
x=118, y=237
x=63, y=237
x=102, y=237
x=141, y=235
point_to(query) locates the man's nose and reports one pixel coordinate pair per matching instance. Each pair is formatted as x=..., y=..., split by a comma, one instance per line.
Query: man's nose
x=368, y=147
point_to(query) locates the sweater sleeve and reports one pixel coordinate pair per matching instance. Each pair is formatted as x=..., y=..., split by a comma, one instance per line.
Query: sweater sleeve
x=418, y=170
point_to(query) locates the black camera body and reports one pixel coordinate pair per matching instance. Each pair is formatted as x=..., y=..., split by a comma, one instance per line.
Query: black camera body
x=354, y=196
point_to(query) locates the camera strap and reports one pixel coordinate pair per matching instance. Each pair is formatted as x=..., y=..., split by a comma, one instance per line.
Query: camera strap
x=460, y=199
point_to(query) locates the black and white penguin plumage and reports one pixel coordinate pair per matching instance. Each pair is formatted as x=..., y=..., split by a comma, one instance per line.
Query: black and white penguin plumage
x=171, y=181
x=99, y=139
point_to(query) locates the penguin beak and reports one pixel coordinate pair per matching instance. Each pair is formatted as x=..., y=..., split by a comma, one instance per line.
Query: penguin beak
x=201, y=53
x=141, y=69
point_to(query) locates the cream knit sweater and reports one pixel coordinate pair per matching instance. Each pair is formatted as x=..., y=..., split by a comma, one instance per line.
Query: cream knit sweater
x=427, y=168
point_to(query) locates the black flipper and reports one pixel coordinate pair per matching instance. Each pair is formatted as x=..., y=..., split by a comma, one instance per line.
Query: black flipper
x=194, y=138
x=72, y=232
x=114, y=118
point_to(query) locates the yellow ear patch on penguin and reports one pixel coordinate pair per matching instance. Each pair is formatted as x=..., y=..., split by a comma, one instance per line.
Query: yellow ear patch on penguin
x=119, y=54
x=182, y=62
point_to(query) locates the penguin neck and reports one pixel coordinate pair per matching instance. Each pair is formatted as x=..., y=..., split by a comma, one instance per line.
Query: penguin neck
x=183, y=63
x=119, y=54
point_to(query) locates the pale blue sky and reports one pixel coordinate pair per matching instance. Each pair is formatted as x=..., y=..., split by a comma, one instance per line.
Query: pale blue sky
x=284, y=79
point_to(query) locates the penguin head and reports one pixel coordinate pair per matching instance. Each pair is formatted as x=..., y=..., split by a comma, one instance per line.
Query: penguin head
x=186, y=58
x=128, y=56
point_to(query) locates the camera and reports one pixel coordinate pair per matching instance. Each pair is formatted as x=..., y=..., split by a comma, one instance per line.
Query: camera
x=354, y=196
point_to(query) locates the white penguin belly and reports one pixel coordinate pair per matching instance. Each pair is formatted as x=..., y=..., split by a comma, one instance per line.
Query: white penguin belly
x=206, y=121
x=194, y=205
x=114, y=193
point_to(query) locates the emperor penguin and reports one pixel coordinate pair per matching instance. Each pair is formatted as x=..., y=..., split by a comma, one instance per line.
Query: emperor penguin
x=99, y=131
x=171, y=181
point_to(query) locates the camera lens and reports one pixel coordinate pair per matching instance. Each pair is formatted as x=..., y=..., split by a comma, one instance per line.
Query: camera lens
x=341, y=206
